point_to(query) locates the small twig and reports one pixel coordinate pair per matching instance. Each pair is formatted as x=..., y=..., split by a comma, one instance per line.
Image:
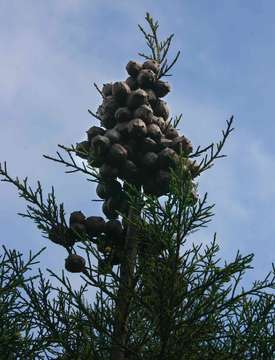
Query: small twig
x=97, y=88
x=208, y=163
x=72, y=164
x=159, y=49
x=94, y=115
x=166, y=68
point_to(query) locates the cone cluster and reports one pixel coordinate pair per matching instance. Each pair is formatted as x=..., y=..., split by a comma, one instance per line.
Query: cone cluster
x=136, y=141
x=108, y=236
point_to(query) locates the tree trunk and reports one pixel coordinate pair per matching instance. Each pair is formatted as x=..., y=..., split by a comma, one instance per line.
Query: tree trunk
x=124, y=295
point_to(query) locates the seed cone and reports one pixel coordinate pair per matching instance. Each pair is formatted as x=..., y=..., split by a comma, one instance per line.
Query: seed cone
x=109, y=106
x=75, y=263
x=158, y=120
x=132, y=83
x=122, y=128
x=161, y=109
x=94, y=131
x=95, y=225
x=95, y=160
x=161, y=88
x=109, y=212
x=117, y=155
x=146, y=78
x=105, y=189
x=137, y=128
x=131, y=173
x=145, y=113
x=78, y=229
x=120, y=91
x=137, y=98
x=151, y=65
x=108, y=172
x=100, y=145
x=168, y=158
x=149, y=145
x=182, y=143
x=164, y=143
x=101, y=190
x=154, y=132
x=107, y=89
x=150, y=160
x=61, y=235
x=133, y=68
x=151, y=95
x=130, y=151
x=171, y=133
x=123, y=114
x=113, y=228
x=77, y=217
x=114, y=202
x=108, y=121
x=82, y=149
x=113, y=135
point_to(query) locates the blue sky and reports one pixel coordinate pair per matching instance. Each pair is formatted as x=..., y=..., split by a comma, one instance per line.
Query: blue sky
x=50, y=54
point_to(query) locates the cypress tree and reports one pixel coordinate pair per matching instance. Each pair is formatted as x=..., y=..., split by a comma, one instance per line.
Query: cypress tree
x=159, y=296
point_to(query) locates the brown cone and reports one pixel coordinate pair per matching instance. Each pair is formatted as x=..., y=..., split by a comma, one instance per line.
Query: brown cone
x=75, y=263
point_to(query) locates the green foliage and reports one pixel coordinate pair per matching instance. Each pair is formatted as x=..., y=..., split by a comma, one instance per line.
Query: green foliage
x=16, y=330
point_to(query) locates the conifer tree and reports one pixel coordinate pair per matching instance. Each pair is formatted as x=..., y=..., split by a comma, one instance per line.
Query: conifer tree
x=158, y=295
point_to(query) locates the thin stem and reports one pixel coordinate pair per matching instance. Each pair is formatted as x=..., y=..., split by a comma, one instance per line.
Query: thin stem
x=124, y=296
